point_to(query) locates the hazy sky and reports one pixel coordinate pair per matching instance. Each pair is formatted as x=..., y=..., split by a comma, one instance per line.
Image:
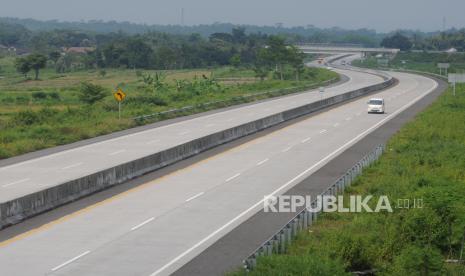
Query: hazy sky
x=386, y=15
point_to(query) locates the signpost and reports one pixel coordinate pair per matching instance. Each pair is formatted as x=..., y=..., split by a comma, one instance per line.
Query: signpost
x=322, y=90
x=443, y=66
x=119, y=97
x=456, y=78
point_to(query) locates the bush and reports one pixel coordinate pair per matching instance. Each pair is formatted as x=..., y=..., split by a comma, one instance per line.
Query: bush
x=26, y=118
x=309, y=265
x=39, y=96
x=415, y=260
x=22, y=99
x=54, y=96
x=91, y=93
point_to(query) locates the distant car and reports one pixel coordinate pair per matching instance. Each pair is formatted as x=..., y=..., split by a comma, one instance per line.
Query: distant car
x=376, y=105
x=343, y=62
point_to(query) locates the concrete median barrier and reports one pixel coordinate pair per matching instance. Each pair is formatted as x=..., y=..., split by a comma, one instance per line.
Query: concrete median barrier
x=19, y=209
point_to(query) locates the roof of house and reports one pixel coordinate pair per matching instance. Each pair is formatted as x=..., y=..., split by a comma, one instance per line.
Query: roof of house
x=79, y=50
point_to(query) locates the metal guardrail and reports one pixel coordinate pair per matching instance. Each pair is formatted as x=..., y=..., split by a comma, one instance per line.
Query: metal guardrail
x=240, y=99
x=279, y=242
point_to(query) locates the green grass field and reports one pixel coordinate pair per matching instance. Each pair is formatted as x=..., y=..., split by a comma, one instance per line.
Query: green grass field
x=426, y=161
x=45, y=113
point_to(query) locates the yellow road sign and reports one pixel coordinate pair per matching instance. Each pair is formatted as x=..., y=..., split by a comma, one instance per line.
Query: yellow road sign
x=119, y=95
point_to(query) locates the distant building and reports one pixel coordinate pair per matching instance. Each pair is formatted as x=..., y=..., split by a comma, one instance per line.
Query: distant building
x=78, y=50
x=7, y=50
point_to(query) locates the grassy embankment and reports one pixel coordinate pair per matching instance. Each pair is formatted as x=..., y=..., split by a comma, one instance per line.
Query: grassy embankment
x=45, y=113
x=426, y=62
x=426, y=161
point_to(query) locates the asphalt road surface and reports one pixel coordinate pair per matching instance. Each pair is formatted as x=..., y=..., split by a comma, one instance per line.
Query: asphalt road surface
x=159, y=226
x=36, y=174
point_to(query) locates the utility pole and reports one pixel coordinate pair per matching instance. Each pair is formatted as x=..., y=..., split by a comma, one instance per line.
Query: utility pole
x=182, y=17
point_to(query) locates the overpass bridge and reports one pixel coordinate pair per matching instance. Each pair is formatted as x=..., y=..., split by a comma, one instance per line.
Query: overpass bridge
x=321, y=49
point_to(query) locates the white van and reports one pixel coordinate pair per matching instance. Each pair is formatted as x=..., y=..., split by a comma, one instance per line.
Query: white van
x=376, y=105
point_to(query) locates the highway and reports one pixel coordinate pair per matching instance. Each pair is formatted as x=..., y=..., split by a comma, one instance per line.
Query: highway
x=157, y=227
x=40, y=173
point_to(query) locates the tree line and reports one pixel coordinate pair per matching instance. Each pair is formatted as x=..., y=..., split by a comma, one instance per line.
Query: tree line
x=406, y=41
x=160, y=51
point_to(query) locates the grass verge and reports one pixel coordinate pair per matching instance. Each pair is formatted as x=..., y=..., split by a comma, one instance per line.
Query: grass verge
x=424, y=161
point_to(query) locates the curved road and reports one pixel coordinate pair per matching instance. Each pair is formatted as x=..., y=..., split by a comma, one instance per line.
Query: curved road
x=157, y=227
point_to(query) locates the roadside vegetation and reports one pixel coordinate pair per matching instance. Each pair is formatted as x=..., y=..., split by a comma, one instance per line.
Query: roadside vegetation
x=424, y=161
x=422, y=61
x=61, y=108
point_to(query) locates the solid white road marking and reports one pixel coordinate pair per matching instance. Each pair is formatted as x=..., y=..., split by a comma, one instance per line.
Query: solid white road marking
x=70, y=261
x=142, y=224
x=72, y=166
x=117, y=152
x=232, y=177
x=286, y=149
x=306, y=140
x=262, y=162
x=16, y=182
x=323, y=131
x=194, y=197
x=256, y=205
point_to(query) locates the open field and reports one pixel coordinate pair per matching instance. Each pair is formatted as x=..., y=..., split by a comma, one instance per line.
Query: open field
x=425, y=162
x=48, y=112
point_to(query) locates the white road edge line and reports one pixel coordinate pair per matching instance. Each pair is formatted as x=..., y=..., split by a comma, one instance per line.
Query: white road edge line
x=263, y=162
x=232, y=177
x=306, y=140
x=142, y=224
x=72, y=166
x=70, y=261
x=194, y=197
x=117, y=152
x=16, y=182
x=354, y=140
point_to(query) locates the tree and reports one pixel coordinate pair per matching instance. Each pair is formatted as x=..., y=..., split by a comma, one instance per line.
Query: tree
x=296, y=60
x=91, y=93
x=277, y=53
x=235, y=60
x=37, y=62
x=397, y=41
x=54, y=56
x=23, y=66
x=262, y=64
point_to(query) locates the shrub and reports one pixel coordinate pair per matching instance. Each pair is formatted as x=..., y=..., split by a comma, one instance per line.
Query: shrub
x=91, y=93
x=54, y=96
x=39, y=96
